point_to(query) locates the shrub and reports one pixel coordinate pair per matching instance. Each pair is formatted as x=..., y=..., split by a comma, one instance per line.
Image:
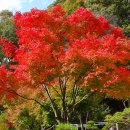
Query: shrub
x=90, y=126
x=122, y=118
x=65, y=127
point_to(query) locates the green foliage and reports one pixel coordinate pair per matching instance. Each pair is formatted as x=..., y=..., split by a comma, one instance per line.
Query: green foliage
x=93, y=107
x=8, y=31
x=1, y=55
x=48, y=115
x=30, y=115
x=3, y=125
x=26, y=121
x=70, y=6
x=65, y=127
x=7, y=28
x=123, y=118
x=90, y=126
x=44, y=115
x=101, y=7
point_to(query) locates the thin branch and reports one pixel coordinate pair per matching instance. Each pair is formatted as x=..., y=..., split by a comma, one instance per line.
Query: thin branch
x=60, y=83
x=32, y=99
x=50, y=128
x=124, y=103
x=74, y=96
x=56, y=91
x=48, y=92
x=53, y=105
x=75, y=91
x=83, y=98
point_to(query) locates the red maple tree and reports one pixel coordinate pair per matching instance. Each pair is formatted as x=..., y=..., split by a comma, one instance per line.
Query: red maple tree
x=79, y=50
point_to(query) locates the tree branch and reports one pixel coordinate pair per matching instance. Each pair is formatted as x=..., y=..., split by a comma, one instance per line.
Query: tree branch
x=83, y=98
x=75, y=92
x=60, y=83
x=64, y=106
x=53, y=105
x=57, y=92
x=32, y=99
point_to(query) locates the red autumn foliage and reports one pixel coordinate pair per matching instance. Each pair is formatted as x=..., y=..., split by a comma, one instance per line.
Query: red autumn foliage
x=80, y=47
x=8, y=47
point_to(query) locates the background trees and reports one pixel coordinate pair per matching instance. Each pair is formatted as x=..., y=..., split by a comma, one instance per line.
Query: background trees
x=7, y=30
x=122, y=118
x=117, y=12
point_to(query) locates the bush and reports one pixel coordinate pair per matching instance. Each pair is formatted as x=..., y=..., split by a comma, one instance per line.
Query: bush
x=65, y=127
x=90, y=126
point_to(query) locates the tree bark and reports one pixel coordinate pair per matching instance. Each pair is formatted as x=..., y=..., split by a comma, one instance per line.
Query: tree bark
x=53, y=105
x=64, y=113
x=81, y=123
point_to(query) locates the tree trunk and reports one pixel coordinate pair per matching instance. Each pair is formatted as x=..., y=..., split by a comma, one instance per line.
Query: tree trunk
x=81, y=123
x=53, y=105
x=64, y=106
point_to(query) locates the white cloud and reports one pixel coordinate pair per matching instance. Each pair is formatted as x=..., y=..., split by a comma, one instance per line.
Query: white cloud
x=11, y=4
x=31, y=1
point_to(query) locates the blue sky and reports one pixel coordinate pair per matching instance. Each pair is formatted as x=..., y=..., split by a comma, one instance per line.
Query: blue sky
x=24, y=5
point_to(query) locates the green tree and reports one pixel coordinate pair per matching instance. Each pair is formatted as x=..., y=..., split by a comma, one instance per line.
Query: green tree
x=70, y=5
x=27, y=121
x=122, y=118
x=3, y=125
x=7, y=28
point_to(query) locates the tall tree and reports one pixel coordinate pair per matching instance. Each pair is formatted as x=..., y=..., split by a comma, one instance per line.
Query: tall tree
x=59, y=53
